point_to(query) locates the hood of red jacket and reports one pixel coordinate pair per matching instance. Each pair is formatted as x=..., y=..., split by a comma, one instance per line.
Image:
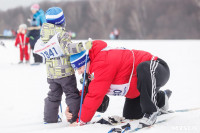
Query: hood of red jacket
x=97, y=46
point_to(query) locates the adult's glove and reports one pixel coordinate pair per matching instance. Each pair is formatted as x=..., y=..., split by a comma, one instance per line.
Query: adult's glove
x=104, y=105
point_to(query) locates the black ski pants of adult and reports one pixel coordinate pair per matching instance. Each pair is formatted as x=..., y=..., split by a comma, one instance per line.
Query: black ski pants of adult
x=34, y=36
x=151, y=76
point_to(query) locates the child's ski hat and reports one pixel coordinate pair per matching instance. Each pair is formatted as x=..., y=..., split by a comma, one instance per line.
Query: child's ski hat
x=35, y=7
x=55, y=15
x=78, y=60
x=23, y=26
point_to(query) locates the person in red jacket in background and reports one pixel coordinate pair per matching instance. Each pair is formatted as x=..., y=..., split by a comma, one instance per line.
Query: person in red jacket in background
x=137, y=75
x=22, y=41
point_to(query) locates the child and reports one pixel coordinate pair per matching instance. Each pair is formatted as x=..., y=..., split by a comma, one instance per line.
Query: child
x=54, y=45
x=23, y=41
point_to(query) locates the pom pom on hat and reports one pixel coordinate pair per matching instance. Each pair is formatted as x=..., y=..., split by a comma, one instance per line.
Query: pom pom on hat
x=35, y=7
x=78, y=60
x=55, y=15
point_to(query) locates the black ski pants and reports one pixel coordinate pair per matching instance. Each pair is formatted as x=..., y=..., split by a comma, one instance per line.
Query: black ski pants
x=151, y=76
x=34, y=35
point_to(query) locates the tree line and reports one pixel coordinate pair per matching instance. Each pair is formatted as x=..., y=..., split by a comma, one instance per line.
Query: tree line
x=136, y=19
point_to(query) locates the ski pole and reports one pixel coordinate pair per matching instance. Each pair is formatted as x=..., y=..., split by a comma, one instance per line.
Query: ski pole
x=60, y=118
x=83, y=86
x=126, y=129
x=61, y=108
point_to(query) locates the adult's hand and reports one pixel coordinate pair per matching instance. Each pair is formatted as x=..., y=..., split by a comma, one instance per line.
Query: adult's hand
x=68, y=114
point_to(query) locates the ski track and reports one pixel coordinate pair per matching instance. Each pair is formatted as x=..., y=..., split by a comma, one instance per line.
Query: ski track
x=24, y=87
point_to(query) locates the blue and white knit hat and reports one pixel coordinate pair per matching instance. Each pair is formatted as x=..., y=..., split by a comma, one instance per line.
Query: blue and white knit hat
x=55, y=15
x=78, y=60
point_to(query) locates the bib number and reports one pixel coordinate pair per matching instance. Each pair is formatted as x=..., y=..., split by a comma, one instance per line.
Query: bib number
x=51, y=53
x=118, y=90
x=49, y=50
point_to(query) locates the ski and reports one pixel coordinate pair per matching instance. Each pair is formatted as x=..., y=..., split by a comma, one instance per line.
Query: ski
x=158, y=122
x=119, y=130
x=35, y=64
x=187, y=110
x=165, y=120
x=123, y=129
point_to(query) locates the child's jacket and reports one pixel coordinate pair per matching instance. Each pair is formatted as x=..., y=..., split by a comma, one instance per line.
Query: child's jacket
x=21, y=39
x=55, y=45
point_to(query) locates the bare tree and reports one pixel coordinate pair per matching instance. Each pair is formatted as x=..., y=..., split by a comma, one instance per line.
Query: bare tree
x=197, y=2
x=103, y=12
x=137, y=17
x=135, y=24
x=74, y=15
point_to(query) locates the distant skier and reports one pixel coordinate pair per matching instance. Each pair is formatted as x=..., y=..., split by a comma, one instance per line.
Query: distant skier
x=114, y=35
x=54, y=45
x=135, y=74
x=34, y=31
x=22, y=40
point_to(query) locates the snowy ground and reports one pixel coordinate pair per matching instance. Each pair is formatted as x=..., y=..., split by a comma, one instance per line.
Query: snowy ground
x=23, y=89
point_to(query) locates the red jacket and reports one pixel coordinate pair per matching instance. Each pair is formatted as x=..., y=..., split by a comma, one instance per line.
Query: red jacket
x=21, y=39
x=111, y=68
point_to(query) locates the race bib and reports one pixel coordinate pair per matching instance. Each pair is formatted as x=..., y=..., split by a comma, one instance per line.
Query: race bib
x=118, y=90
x=122, y=89
x=49, y=50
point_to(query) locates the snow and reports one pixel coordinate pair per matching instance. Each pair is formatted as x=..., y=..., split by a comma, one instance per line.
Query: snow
x=24, y=87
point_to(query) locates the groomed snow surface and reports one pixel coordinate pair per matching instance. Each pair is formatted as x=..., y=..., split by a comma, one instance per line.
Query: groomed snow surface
x=24, y=87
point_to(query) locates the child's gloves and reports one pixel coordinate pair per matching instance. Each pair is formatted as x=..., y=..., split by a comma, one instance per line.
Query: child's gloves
x=88, y=44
